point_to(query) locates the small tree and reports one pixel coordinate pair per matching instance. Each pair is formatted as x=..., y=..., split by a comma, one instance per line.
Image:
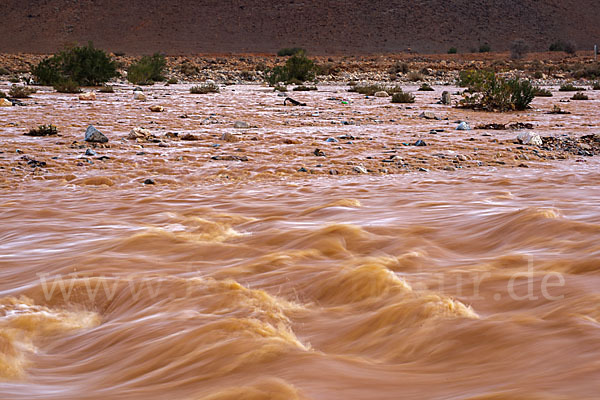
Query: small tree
x=298, y=68
x=148, y=70
x=86, y=66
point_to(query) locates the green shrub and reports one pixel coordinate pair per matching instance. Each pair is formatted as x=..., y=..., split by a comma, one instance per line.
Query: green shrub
x=20, y=92
x=148, y=70
x=297, y=69
x=371, y=89
x=399, y=68
x=540, y=92
x=403, y=97
x=596, y=86
x=290, y=51
x=491, y=93
x=452, y=50
x=2, y=95
x=205, y=88
x=303, y=88
x=588, y=72
x=560, y=45
x=43, y=130
x=485, y=48
x=280, y=88
x=4, y=71
x=67, y=86
x=426, y=88
x=579, y=96
x=472, y=78
x=569, y=87
x=86, y=66
x=173, y=81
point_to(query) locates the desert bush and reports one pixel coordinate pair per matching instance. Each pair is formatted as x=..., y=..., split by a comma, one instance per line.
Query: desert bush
x=207, y=87
x=290, y=51
x=106, y=89
x=399, y=67
x=303, y=88
x=426, y=88
x=538, y=75
x=403, y=97
x=569, y=87
x=540, y=92
x=579, y=96
x=327, y=69
x=147, y=70
x=280, y=88
x=561, y=45
x=4, y=71
x=452, y=50
x=2, y=95
x=20, y=92
x=86, y=66
x=297, y=68
x=43, y=130
x=473, y=78
x=173, y=81
x=67, y=86
x=491, y=93
x=415, y=76
x=485, y=48
x=518, y=49
x=371, y=89
x=588, y=72
x=596, y=86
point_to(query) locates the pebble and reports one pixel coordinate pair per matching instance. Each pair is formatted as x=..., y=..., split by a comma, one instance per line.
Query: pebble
x=149, y=182
x=156, y=108
x=463, y=126
x=94, y=135
x=241, y=125
x=420, y=143
x=360, y=169
x=90, y=152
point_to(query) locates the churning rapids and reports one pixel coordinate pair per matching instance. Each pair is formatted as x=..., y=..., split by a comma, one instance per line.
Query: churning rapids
x=251, y=280
x=453, y=286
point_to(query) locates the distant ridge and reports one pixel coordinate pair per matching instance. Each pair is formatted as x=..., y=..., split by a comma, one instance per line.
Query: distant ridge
x=322, y=27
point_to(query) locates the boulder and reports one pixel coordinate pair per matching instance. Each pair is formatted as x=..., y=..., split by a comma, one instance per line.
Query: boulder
x=139, y=96
x=156, y=108
x=5, y=103
x=229, y=137
x=463, y=126
x=139, y=133
x=241, y=125
x=529, y=138
x=87, y=96
x=381, y=93
x=94, y=135
x=428, y=115
x=446, y=98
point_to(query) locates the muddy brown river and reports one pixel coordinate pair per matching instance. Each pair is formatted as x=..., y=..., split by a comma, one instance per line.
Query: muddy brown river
x=464, y=269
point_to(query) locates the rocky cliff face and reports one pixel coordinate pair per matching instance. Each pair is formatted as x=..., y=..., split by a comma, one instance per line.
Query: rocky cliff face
x=322, y=27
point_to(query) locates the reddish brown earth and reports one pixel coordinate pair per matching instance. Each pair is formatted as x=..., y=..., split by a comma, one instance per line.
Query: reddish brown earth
x=322, y=27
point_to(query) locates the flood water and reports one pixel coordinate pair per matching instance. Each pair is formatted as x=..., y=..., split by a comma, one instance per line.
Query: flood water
x=478, y=283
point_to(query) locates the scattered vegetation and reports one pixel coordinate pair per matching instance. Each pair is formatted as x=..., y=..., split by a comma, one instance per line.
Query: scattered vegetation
x=67, y=86
x=290, y=51
x=303, y=88
x=541, y=92
x=588, y=72
x=86, y=66
x=486, y=91
x=452, y=50
x=403, y=97
x=399, y=68
x=579, y=96
x=173, y=81
x=519, y=49
x=426, y=88
x=2, y=95
x=569, y=87
x=20, y=92
x=4, y=71
x=297, y=69
x=371, y=89
x=148, y=70
x=43, y=130
x=560, y=45
x=205, y=88
x=280, y=88
x=596, y=86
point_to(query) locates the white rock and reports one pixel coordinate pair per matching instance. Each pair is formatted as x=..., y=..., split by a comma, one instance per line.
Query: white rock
x=5, y=103
x=139, y=133
x=381, y=93
x=139, y=96
x=241, y=125
x=360, y=169
x=529, y=138
x=463, y=126
x=87, y=96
